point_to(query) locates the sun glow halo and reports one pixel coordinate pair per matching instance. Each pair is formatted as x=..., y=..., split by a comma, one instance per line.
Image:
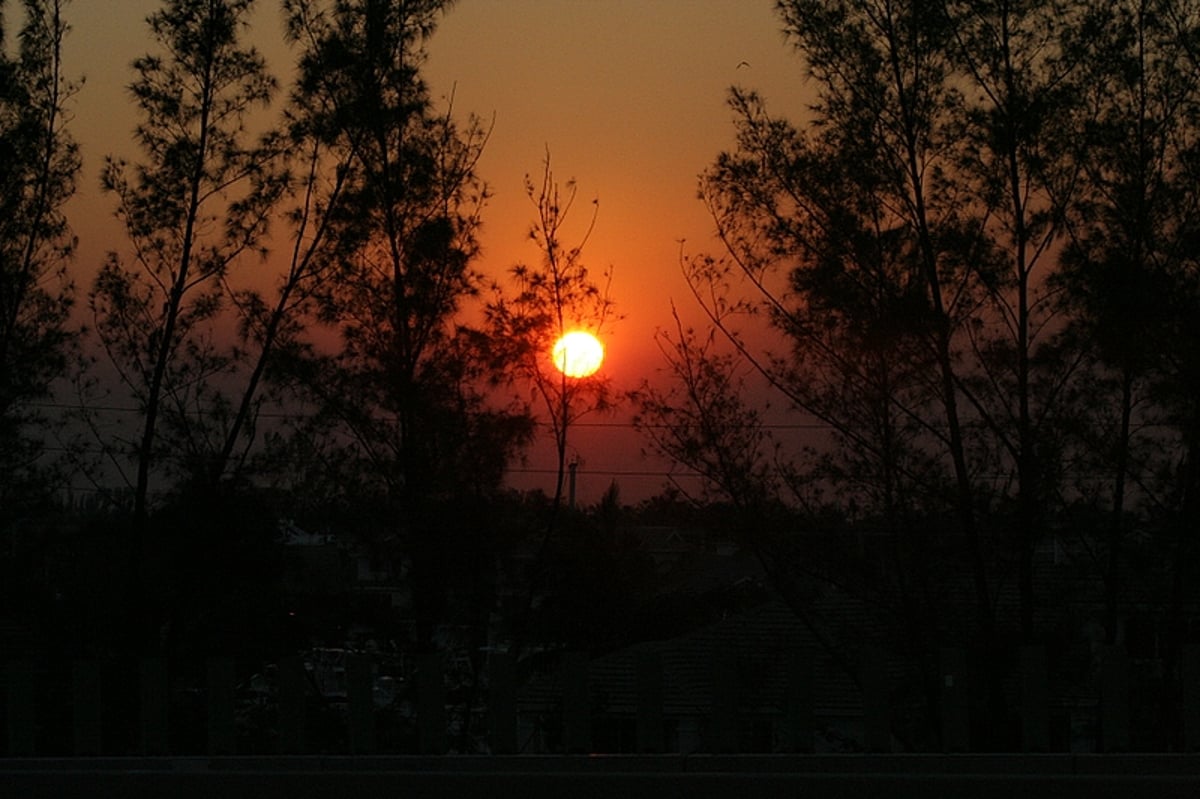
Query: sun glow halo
x=578, y=354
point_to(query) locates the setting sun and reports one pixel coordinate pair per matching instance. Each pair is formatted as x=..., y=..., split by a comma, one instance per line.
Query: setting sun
x=578, y=354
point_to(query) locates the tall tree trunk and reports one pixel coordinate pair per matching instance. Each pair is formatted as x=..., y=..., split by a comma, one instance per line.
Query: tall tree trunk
x=1116, y=522
x=1182, y=575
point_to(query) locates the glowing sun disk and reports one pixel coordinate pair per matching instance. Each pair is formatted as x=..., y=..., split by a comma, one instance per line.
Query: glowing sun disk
x=578, y=354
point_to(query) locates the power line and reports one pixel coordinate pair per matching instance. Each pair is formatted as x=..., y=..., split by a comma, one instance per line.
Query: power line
x=609, y=472
x=540, y=423
x=816, y=425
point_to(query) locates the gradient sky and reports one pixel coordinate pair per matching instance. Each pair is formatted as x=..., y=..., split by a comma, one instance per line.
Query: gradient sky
x=627, y=95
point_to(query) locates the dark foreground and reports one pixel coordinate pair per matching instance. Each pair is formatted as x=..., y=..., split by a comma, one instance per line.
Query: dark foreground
x=653, y=777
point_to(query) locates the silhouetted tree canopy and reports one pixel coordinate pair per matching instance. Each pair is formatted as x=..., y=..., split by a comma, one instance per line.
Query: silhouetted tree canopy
x=971, y=263
x=39, y=162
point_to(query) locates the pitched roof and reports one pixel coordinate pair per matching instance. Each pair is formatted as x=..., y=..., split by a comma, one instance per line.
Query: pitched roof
x=756, y=649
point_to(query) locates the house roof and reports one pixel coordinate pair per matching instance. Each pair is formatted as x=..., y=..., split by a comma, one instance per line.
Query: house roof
x=762, y=640
x=760, y=646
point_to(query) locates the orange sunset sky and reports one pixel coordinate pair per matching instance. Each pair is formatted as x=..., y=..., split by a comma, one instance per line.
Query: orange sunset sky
x=627, y=95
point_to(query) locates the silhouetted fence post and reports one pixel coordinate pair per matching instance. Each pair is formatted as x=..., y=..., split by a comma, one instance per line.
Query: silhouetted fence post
x=723, y=722
x=431, y=705
x=798, y=713
x=21, y=708
x=650, y=731
x=502, y=703
x=292, y=715
x=877, y=723
x=1191, y=697
x=577, y=703
x=222, y=730
x=954, y=701
x=1035, y=700
x=154, y=694
x=86, y=712
x=1114, y=700
x=361, y=705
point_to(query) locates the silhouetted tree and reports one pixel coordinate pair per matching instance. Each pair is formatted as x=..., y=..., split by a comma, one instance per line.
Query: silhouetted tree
x=1018, y=165
x=197, y=205
x=39, y=162
x=852, y=239
x=1129, y=279
x=899, y=246
x=548, y=301
x=701, y=420
x=321, y=163
x=401, y=400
